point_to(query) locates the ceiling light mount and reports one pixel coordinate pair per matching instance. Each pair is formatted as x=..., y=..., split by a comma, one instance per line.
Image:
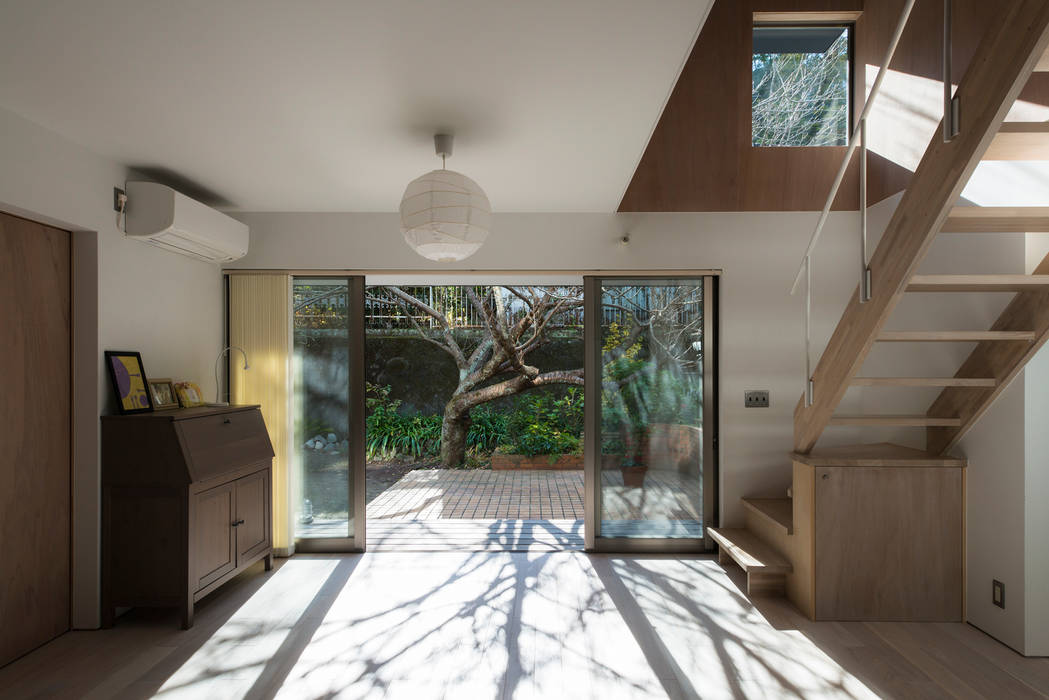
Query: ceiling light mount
x=442, y=144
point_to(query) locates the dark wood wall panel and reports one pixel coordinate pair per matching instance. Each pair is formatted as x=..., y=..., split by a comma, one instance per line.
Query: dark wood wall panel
x=700, y=157
x=34, y=434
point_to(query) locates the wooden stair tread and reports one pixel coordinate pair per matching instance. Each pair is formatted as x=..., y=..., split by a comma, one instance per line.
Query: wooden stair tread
x=747, y=550
x=778, y=511
x=997, y=220
x=985, y=382
x=1020, y=141
x=898, y=421
x=952, y=336
x=977, y=283
x=879, y=454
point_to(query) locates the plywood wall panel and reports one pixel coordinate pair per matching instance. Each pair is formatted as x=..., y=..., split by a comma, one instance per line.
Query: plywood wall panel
x=700, y=157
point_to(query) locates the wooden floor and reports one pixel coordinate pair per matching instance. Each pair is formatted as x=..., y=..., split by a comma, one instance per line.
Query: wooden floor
x=474, y=535
x=468, y=626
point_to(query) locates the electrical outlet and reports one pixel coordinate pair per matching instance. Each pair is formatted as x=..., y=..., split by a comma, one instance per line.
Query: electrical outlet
x=118, y=199
x=756, y=399
x=998, y=593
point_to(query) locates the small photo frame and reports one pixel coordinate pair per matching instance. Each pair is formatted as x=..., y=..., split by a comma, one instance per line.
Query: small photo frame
x=163, y=393
x=189, y=394
x=129, y=381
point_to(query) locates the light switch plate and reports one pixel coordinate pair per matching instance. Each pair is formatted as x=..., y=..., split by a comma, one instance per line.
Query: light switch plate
x=756, y=398
x=998, y=593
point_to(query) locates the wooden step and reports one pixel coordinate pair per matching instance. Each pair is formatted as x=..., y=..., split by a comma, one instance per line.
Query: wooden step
x=952, y=336
x=766, y=570
x=988, y=382
x=997, y=220
x=978, y=283
x=747, y=550
x=896, y=421
x=777, y=511
x=1020, y=141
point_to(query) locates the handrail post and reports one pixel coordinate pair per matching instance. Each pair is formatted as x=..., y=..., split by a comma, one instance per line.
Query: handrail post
x=951, y=104
x=865, y=272
x=808, y=332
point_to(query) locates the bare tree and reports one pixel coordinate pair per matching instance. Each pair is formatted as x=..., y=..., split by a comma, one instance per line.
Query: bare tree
x=515, y=321
x=801, y=99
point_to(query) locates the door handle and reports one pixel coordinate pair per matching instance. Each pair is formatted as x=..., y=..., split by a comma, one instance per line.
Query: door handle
x=238, y=522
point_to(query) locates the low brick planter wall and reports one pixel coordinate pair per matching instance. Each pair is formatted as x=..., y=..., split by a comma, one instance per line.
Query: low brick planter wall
x=501, y=462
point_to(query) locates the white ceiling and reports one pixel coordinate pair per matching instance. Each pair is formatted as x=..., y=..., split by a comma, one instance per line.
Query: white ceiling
x=331, y=105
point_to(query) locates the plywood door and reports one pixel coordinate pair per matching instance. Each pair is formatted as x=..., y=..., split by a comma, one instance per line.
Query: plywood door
x=888, y=543
x=35, y=438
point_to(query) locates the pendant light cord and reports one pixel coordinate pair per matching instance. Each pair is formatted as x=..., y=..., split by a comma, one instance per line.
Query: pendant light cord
x=442, y=162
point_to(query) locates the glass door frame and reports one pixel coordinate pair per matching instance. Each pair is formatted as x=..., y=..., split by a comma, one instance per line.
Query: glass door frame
x=592, y=295
x=356, y=416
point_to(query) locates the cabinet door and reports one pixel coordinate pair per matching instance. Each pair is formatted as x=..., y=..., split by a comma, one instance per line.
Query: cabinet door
x=214, y=550
x=253, y=514
x=889, y=543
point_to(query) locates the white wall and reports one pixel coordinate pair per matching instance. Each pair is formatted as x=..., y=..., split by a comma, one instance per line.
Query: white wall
x=167, y=306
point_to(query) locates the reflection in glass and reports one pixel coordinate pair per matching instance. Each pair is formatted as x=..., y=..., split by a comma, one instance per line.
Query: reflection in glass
x=651, y=465
x=321, y=487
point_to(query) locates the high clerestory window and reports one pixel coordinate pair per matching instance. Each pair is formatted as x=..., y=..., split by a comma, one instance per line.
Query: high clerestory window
x=801, y=84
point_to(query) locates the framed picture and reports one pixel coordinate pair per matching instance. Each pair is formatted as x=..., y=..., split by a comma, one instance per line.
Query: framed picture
x=129, y=381
x=189, y=394
x=163, y=393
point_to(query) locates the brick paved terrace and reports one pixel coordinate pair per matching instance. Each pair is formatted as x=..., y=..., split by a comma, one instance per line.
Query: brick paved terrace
x=444, y=494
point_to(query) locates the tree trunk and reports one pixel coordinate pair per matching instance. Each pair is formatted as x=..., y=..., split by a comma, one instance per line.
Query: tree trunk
x=454, y=428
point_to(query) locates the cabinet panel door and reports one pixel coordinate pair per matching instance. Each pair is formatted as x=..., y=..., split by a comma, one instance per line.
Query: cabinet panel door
x=253, y=507
x=215, y=554
x=888, y=543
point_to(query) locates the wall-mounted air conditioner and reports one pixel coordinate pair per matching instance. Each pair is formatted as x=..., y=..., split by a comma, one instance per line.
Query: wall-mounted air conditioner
x=161, y=216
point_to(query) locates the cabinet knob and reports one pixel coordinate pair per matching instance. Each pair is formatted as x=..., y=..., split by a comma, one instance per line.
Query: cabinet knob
x=226, y=421
x=238, y=522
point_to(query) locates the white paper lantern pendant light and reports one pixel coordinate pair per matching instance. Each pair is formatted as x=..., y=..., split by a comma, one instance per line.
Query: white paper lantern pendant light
x=445, y=216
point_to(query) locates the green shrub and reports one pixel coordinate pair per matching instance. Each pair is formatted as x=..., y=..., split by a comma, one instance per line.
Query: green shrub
x=543, y=424
x=538, y=424
x=390, y=434
x=488, y=428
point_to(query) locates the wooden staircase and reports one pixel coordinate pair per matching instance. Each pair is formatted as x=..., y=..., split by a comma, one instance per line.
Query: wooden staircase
x=876, y=531
x=1012, y=49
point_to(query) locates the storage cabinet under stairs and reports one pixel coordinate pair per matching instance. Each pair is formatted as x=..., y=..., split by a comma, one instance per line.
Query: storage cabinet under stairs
x=873, y=532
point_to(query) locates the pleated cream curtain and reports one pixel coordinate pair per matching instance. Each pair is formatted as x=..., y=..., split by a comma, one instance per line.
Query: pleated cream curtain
x=260, y=323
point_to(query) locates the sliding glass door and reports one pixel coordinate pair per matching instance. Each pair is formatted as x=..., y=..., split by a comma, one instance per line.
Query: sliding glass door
x=650, y=422
x=328, y=413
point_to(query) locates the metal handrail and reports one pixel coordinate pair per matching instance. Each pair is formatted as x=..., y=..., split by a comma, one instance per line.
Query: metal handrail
x=855, y=139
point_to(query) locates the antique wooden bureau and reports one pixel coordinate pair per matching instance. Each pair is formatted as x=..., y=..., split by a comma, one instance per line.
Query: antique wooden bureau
x=185, y=504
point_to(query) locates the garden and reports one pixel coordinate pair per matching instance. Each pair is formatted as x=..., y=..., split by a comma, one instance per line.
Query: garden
x=541, y=423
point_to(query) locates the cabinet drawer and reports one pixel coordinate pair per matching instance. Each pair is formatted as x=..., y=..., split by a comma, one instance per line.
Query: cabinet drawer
x=216, y=444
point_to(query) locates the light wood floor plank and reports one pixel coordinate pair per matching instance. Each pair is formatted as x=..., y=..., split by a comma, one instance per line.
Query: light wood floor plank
x=514, y=625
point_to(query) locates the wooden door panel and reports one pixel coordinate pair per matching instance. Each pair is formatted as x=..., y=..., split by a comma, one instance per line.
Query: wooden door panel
x=888, y=543
x=34, y=434
x=253, y=499
x=214, y=553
